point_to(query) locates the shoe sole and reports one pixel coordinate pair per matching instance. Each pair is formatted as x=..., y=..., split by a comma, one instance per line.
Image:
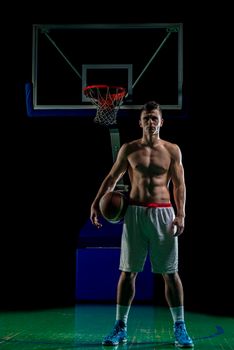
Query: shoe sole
x=124, y=341
x=188, y=346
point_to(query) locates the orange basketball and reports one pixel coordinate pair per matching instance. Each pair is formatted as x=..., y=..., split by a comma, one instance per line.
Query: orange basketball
x=113, y=206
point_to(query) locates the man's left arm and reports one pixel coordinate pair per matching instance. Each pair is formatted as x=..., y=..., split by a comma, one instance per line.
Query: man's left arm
x=179, y=190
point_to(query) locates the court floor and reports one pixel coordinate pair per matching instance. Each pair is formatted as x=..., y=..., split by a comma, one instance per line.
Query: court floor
x=84, y=325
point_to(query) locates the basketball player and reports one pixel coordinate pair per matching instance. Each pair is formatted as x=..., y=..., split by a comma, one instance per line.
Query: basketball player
x=151, y=224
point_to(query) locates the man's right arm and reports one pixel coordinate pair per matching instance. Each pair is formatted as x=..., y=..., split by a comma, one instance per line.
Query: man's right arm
x=117, y=171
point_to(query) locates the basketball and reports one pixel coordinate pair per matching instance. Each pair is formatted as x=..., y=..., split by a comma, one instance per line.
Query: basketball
x=113, y=206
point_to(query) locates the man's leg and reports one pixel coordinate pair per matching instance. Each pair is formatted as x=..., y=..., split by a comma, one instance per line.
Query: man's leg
x=125, y=296
x=174, y=295
x=173, y=290
x=126, y=288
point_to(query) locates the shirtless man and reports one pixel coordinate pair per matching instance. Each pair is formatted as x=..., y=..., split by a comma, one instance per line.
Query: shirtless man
x=151, y=226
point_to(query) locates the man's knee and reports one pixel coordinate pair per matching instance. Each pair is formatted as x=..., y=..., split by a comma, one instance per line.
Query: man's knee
x=170, y=277
x=128, y=276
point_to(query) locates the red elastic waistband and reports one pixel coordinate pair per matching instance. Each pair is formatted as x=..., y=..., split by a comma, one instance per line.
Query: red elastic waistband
x=158, y=205
x=152, y=205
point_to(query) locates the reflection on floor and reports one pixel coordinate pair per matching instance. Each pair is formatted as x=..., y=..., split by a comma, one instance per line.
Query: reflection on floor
x=83, y=327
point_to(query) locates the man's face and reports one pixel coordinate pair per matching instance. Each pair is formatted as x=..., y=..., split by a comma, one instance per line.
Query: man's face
x=151, y=121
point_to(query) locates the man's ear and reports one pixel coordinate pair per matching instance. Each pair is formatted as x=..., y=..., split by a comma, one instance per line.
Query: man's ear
x=140, y=123
x=162, y=121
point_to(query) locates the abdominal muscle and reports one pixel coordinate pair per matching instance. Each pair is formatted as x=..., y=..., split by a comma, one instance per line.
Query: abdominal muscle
x=150, y=190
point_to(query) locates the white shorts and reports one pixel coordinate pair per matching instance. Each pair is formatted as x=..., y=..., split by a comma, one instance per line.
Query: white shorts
x=146, y=231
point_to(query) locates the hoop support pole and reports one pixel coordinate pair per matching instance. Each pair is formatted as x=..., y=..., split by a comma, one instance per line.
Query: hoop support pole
x=115, y=146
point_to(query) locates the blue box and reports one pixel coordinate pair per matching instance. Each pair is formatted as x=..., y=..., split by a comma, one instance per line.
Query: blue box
x=97, y=275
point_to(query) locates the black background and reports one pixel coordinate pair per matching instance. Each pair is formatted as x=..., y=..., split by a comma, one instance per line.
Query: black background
x=52, y=168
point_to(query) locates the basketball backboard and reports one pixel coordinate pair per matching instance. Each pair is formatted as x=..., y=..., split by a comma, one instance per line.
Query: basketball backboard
x=146, y=59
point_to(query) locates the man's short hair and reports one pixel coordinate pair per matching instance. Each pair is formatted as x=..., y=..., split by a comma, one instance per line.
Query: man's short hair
x=150, y=105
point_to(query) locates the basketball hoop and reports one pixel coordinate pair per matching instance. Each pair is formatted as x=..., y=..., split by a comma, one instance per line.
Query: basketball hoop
x=107, y=99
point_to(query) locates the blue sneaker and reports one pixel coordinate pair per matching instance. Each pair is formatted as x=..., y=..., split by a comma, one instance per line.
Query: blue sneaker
x=118, y=335
x=182, y=339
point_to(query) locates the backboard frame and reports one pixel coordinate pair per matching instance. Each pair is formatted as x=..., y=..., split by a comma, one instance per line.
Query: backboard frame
x=44, y=29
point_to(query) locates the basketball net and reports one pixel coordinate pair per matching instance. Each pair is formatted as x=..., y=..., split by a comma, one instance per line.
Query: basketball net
x=108, y=100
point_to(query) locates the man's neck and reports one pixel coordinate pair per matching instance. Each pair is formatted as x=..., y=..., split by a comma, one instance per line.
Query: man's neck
x=150, y=139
